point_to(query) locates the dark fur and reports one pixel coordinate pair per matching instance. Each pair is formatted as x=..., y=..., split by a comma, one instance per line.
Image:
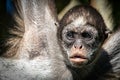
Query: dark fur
x=104, y=67
x=13, y=27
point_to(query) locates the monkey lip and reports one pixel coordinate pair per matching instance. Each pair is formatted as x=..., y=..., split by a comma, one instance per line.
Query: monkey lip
x=77, y=58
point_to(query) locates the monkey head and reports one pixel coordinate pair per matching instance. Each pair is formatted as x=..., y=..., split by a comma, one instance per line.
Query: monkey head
x=82, y=32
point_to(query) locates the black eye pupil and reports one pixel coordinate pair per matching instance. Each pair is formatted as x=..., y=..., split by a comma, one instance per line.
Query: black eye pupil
x=70, y=35
x=86, y=35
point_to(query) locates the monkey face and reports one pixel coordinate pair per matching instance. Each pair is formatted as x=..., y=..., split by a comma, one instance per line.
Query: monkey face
x=80, y=43
x=82, y=33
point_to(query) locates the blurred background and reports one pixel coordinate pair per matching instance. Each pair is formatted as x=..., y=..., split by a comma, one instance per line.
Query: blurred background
x=109, y=9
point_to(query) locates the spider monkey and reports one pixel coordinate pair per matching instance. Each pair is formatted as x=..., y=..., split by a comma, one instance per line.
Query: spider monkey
x=89, y=52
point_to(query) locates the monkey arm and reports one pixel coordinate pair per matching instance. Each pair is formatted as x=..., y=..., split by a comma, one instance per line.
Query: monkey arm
x=38, y=55
x=112, y=48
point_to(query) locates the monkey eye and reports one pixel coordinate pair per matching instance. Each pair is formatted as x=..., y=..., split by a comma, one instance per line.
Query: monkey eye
x=70, y=35
x=87, y=35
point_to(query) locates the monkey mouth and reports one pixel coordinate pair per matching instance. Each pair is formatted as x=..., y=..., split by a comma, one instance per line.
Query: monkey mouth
x=78, y=59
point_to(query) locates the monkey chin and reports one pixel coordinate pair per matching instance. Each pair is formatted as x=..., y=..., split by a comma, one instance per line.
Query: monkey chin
x=78, y=62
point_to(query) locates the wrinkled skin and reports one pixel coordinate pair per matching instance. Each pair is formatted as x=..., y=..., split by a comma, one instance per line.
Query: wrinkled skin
x=89, y=54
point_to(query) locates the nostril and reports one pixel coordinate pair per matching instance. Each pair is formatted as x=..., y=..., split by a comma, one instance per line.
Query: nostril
x=75, y=46
x=78, y=46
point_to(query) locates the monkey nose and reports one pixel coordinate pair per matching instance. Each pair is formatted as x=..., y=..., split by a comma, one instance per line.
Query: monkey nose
x=78, y=46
